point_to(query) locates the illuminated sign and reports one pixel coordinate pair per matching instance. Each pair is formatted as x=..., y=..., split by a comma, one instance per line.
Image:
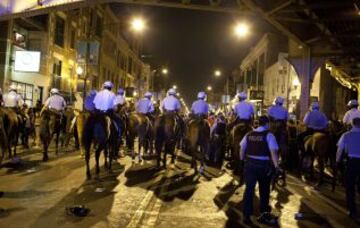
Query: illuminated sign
x=8, y=7
x=27, y=61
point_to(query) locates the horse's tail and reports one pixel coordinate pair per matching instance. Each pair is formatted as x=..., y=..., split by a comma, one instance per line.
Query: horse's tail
x=3, y=140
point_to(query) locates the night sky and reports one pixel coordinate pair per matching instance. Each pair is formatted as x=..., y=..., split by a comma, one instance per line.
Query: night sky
x=194, y=43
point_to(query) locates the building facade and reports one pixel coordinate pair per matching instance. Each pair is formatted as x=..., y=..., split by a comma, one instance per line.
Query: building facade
x=57, y=36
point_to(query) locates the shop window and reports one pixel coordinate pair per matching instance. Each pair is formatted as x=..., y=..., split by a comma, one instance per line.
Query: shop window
x=59, y=31
x=57, y=74
x=19, y=39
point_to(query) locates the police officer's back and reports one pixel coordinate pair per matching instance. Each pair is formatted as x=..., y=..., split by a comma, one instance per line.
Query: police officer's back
x=259, y=151
x=349, y=144
x=200, y=108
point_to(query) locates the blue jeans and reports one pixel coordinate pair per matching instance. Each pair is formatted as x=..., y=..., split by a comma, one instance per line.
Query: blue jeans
x=257, y=171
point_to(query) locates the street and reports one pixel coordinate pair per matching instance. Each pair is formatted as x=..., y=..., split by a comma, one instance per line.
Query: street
x=138, y=195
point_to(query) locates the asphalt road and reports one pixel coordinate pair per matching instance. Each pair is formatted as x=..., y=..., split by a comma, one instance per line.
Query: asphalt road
x=139, y=195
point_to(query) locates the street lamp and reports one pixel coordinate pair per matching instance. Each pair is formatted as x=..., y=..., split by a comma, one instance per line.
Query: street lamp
x=217, y=73
x=209, y=88
x=138, y=24
x=165, y=71
x=79, y=70
x=241, y=30
x=174, y=86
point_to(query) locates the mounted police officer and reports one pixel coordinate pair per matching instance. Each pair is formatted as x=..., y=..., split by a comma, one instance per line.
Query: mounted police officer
x=89, y=101
x=352, y=113
x=200, y=108
x=55, y=102
x=349, y=144
x=105, y=99
x=120, y=101
x=277, y=112
x=145, y=106
x=259, y=151
x=12, y=99
x=243, y=110
x=170, y=102
x=315, y=121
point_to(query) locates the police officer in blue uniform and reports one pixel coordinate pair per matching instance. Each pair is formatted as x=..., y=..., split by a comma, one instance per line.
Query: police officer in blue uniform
x=200, y=108
x=259, y=149
x=349, y=144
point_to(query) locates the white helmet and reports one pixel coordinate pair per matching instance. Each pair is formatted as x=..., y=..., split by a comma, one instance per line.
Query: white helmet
x=172, y=91
x=148, y=95
x=54, y=90
x=315, y=105
x=201, y=95
x=13, y=87
x=242, y=95
x=353, y=103
x=279, y=100
x=108, y=84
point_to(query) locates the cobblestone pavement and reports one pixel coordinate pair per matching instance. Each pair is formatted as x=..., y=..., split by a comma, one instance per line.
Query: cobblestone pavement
x=138, y=195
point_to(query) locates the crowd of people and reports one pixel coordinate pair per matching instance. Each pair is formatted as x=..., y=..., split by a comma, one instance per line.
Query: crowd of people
x=259, y=148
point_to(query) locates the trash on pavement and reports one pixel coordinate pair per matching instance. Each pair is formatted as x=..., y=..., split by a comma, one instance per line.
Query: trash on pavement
x=99, y=189
x=78, y=210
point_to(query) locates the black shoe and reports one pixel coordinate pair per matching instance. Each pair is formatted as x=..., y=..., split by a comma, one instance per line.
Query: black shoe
x=247, y=221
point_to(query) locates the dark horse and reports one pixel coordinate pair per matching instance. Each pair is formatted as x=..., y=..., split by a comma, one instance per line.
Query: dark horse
x=279, y=129
x=100, y=130
x=138, y=125
x=3, y=137
x=165, y=136
x=12, y=129
x=50, y=126
x=198, y=137
x=236, y=135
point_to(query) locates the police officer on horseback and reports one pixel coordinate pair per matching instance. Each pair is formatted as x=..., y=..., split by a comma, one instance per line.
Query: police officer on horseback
x=352, y=113
x=348, y=146
x=120, y=98
x=171, y=103
x=315, y=121
x=277, y=113
x=243, y=110
x=12, y=99
x=145, y=106
x=259, y=151
x=200, y=108
x=55, y=101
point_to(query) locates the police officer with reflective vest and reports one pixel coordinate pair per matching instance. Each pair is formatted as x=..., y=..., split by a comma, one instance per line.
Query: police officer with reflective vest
x=352, y=113
x=349, y=145
x=259, y=149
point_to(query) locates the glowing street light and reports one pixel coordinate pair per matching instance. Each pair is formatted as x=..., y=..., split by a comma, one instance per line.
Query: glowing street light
x=164, y=71
x=217, y=73
x=178, y=94
x=209, y=88
x=138, y=24
x=79, y=70
x=241, y=30
x=174, y=86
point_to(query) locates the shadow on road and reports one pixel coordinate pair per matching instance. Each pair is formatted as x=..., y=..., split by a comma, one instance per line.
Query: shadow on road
x=86, y=194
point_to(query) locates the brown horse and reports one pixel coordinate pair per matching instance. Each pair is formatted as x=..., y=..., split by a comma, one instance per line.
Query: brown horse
x=317, y=146
x=50, y=126
x=12, y=129
x=198, y=137
x=165, y=136
x=138, y=125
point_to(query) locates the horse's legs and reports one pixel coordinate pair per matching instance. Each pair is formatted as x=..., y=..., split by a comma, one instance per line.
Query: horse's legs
x=45, y=153
x=97, y=157
x=321, y=167
x=158, y=148
x=140, y=145
x=106, y=154
x=87, y=160
x=57, y=143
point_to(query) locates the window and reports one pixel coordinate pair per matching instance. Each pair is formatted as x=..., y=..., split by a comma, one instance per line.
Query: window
x=130, y=66
x=59, y=31
x=26, y=91
x=98, y=25
x=72, y=37
x=57, y=74
x=19, y=39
